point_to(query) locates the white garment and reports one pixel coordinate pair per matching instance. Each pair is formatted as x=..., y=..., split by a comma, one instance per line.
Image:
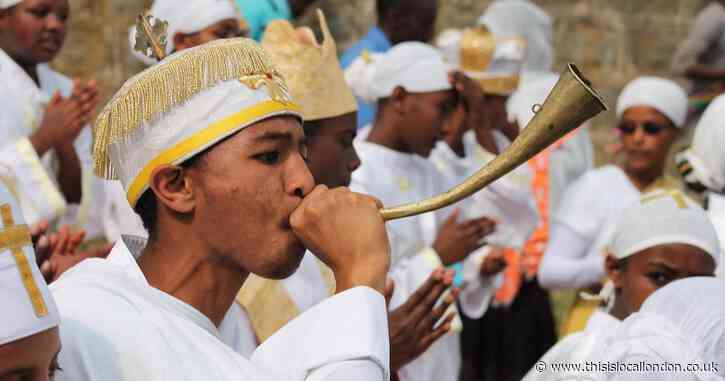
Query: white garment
x=23, y=316
x=22, y=105
x=306, y=287
x=5, y=4
x=194, y=16
x=117, y=327
x=664, y=95
x=397, y=178
x=681, y=323
x=716, y=212
x=509, y=200
x=523, y=19
x=118, y=216
x=706, y=155
x=582, y=227
x=575, y=348
x=414, y=66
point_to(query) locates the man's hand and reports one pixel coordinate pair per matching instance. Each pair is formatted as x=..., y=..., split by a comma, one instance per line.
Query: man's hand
x=413, y=326
x=345, y=231
x=456, y=240
x=56, y=252
x=480, y=111
x=493, y=264
x=53, y=268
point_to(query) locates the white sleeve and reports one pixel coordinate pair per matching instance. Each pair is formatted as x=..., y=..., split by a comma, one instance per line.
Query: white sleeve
x=348, y=371
x=478, y=290
x=348, y=331
x=41, y=198
x=565, y=264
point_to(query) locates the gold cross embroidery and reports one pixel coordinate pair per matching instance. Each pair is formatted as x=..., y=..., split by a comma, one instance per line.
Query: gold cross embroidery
x=676, y=195
x=14, y=237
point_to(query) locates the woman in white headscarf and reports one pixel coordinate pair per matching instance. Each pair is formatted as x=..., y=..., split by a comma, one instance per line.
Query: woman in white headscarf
x=29, y=340
x=661, y=238
x=682, y=324
x=651, y=112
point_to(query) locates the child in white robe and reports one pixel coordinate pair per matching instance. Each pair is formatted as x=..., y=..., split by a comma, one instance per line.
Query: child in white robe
x=661, y=238
x=45, y=119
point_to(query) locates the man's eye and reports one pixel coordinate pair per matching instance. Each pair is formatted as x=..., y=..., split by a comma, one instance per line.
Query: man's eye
x=39, y=12
x=660, y=278
x=269, y=158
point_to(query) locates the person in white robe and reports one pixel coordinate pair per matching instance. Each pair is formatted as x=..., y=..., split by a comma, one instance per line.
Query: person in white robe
x=702, y=165
x=215, y=166
x=44, y=126
x=29, y=339
x=315, y=78
x=662, y=237
x=678, y=334
x=650, y=111
x=415, y=96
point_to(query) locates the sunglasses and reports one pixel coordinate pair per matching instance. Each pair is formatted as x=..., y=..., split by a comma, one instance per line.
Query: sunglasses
x=648, y=127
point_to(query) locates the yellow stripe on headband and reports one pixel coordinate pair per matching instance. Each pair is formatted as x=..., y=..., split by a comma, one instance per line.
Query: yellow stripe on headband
x=205, y=138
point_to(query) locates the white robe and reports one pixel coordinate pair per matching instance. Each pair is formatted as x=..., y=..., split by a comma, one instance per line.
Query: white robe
x=509, y=200
x=22, y=106
x=583, y=226
x=716, y=212
x=396, y=178
x=575, y=348
x=117, y=327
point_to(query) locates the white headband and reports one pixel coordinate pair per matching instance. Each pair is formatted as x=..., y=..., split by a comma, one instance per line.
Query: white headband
x=191, y=17
x=706, y=155
x=26, y=301
x=414, y=66
x=5, y=4
x=664, y=95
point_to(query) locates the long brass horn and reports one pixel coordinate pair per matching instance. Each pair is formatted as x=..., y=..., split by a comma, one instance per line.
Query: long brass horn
x=572, y=102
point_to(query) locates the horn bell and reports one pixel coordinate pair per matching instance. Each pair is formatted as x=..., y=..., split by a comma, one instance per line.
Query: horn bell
x=572, y=102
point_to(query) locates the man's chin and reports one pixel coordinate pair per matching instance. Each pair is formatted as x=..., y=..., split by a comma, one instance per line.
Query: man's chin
x=292, y=258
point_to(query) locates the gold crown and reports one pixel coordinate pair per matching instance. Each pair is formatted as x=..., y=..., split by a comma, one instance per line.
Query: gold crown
x=477, y=50
x=312, y=71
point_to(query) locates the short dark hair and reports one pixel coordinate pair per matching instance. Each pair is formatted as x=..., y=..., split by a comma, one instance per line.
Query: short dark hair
x=146, y=206
x=311, y=127
x=385, y=6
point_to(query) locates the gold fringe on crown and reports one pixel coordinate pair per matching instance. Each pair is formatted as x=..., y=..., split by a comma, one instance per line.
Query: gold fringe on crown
x=179, y=77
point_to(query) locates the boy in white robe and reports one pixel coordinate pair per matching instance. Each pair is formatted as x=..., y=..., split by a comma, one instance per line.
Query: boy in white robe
x=215, y=166
x=316, y=80
x=661, y=238
x=415, y=97
x=29, y=339
x=45, y=115
x=677, y=335
x=651, y=111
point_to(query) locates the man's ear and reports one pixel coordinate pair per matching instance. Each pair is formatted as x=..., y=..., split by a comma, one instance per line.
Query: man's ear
x=615, y=270
x=398, y=100
x=173, y=188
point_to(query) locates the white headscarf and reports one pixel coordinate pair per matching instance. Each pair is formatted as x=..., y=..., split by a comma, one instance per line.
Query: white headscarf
x=664, y=95
x=524, y=19
x=681, y=323
x=661, y=217
x=5, y=4
x=532, y=91
x=185, y=17
x=25, y=300
x=415, y=66
x=706, y=155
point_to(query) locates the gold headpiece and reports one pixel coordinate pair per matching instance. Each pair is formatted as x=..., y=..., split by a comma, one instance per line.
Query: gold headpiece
x=312, y=71
x=477, y=59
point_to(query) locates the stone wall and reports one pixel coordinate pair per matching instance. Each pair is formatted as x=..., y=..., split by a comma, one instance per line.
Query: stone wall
x=612, y=40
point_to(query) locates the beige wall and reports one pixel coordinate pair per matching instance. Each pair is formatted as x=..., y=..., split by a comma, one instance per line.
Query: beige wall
x=611, y=40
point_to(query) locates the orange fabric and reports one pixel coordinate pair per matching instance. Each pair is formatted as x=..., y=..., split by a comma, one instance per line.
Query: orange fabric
x=526, y=263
